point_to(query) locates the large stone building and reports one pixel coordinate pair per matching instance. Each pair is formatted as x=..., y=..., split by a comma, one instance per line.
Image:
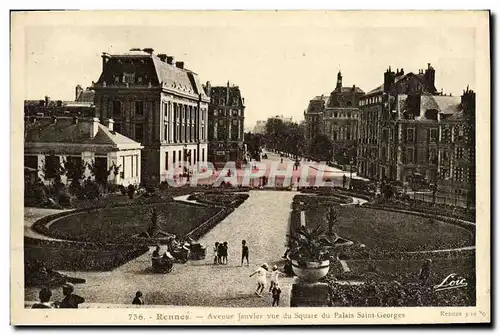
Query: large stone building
x=336, y=115
x=226, y=119
x=159, y=103
x=405, y=129
x=260, y=127
x=51, y=142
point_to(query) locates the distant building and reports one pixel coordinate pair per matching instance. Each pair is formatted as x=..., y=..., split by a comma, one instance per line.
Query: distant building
x=82, y=106
x=336, y=115
x=49, y=142
x=157, y=102
x=260, y=127
x=226, y=125
x=282, y=118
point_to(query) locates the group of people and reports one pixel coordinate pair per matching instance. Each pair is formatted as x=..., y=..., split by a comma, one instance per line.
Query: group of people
x=220, y=253
x=71, y=300
x=274, y=287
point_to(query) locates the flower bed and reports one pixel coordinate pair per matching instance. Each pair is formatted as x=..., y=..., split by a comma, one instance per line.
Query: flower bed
x=396, y=283
x=232, y=200
x=80, y=256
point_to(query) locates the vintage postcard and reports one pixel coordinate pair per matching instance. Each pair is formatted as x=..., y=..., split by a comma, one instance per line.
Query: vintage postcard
x=250, y=167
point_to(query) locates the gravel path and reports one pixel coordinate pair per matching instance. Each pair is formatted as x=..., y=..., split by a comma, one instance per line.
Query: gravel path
x=262, y=220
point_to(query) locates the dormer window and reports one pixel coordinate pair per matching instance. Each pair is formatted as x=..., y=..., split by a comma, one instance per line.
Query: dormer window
x=129, y=78
x=235, y=102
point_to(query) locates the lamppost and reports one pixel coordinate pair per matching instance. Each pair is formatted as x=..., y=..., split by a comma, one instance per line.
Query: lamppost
x=350, y=176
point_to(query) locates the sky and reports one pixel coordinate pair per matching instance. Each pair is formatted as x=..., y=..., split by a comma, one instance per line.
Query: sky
x=279, y=63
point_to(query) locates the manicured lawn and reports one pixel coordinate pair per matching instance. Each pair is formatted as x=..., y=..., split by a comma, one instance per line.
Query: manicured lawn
x=392, y=231
x=112, y=223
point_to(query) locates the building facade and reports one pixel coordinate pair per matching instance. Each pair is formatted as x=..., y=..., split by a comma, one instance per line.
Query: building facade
x=456, y=149
x=336, y=116
x=260, y=127
x=50, y=142
x=406, y=130
x=226, y=125
x=157, y=102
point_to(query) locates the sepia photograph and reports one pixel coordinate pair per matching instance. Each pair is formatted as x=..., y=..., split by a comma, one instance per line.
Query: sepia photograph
x=250, y=167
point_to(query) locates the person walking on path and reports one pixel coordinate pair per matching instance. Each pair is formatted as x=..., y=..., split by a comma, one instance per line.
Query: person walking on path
x=261, y=273
x=244, y=252
x=138, y=300
x=274, y=277
x=276, y=294
x=44, y=296
x=70, y=300
x=425, y=272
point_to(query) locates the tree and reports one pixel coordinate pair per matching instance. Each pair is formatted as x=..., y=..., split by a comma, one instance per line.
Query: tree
x=53, y=168
x=332, y=220
x=321, y=147
x=155, y=217
x=100, y=172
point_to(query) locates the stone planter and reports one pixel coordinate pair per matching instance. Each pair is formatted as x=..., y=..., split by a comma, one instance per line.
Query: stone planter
x=310, y=272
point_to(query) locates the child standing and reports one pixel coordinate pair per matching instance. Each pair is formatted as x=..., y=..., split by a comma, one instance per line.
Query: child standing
x=276, y=294
x=274, y=277
x=261, y=273
x=224, y=253
x=216, y=251
x=244, y=252
x=220, y=252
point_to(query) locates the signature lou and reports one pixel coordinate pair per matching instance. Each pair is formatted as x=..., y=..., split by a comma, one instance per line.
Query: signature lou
x=450, y=282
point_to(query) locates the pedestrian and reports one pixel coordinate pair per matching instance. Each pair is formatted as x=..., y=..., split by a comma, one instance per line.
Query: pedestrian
x=71, y=300
x=244, y=252
x=44, y=295
x=276, y=292
x=224, y=253
x=261, y=273
x=274, y=277
x=220, y=252
x=216, y=251
x=138, y=300
x=425, y=272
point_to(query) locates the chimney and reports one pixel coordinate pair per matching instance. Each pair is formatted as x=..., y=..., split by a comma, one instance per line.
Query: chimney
x=94, y=127
x=110, y=124
x=148, y=50
x=170, y=60
x=162, y=57
x=105, y=58
x=209, y=88
x=78, y=91
x=180, y=65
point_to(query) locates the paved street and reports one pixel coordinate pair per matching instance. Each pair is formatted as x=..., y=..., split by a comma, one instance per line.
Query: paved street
x=261, y=220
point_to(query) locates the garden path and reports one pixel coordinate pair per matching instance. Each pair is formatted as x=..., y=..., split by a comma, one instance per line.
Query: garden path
x=262, y=220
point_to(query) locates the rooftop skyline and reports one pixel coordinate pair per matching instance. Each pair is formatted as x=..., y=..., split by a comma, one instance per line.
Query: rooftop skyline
x=279, y=61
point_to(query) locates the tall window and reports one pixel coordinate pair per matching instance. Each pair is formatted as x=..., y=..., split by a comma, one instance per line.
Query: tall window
x=410, y=135
x=433, y=135
x=433, y=156
x=203, y=154
x=52, y=164
x=410, y=155
x=136, y=165
x=117, y=109
x=173, y=157
x=139, y=108
x=166, y=160
x=139, y=132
